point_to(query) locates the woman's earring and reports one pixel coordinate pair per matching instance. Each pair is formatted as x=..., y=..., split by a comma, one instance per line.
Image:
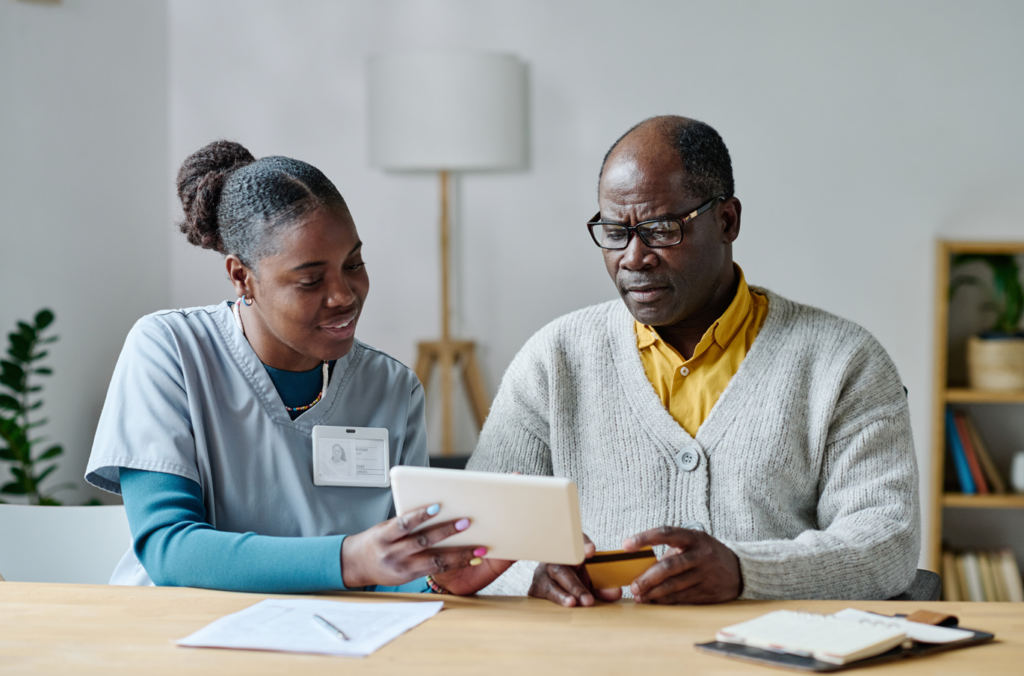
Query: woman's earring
x=245, y=302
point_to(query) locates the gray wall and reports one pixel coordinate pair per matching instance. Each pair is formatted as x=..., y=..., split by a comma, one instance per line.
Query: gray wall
x=83, y=196
x=860, y=131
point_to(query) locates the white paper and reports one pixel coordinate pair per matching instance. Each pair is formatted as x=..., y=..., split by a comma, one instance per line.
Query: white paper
x=925, y=633
x=287, y=625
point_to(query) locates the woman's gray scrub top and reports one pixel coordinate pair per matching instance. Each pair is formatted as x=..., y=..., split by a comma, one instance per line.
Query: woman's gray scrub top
x=190, y=397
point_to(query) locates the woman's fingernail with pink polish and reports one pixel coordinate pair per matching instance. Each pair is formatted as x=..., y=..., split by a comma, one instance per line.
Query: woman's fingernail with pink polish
x=462, y=524
x=479, y=551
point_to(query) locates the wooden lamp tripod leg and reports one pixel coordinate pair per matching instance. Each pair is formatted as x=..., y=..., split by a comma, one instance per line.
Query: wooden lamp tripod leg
x=448, y=353
x=474, y=383
x=447, y=359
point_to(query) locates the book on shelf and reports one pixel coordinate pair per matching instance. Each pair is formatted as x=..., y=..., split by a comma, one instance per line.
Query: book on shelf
x=991, y=575
x=963, y=470
x=988, y=582
x=974, y=471
x=961, y=576
x=972, y=577
x=1011, y=577
x=972, y=458
x=998, y=578
x=950, y=578
x=995, y=479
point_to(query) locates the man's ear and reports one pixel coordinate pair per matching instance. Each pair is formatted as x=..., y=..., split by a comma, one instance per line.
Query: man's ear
x=240, y=276
x=729, y=213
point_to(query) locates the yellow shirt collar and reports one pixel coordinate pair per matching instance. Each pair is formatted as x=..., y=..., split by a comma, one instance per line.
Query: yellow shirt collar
x=645, y=336
x=725, y=327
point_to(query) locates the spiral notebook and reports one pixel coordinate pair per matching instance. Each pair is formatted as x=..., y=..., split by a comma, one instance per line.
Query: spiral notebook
x=811, y=642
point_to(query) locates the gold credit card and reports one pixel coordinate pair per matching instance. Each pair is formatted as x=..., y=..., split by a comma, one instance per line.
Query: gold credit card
x=618, y=568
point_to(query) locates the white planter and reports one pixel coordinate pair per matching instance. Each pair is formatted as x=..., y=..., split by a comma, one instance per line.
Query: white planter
x=995, y=363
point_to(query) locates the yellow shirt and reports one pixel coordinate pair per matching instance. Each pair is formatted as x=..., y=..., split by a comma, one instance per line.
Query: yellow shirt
x=690, y=388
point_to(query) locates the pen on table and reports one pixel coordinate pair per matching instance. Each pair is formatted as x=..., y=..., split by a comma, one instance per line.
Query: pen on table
x=338, y=633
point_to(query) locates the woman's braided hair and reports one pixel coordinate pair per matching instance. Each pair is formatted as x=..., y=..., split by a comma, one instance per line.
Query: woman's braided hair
x=235, y=203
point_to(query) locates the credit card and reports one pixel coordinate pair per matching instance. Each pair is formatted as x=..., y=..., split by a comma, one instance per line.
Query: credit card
x=618, y=568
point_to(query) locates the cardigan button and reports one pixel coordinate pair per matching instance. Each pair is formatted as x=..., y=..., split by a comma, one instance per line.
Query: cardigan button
x=688, y=460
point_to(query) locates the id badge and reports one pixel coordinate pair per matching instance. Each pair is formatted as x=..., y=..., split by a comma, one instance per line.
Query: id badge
x=351, y=456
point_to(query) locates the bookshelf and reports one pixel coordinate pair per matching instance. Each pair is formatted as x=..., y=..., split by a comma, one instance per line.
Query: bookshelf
x=962, y=395
x=983, y=501
x=972, y=512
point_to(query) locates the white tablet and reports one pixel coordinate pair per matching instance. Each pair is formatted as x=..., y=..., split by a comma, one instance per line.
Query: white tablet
x=535, y=518
x=350, y=456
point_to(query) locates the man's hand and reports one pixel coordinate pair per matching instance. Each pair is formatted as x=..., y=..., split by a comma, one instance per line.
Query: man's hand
x=696, y=568
x=569, y=585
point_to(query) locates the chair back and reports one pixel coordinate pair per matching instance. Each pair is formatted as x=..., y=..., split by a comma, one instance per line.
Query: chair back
x=927, y=586
x=62, y=544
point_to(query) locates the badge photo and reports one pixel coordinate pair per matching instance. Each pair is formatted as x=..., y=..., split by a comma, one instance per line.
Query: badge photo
x=351, y=456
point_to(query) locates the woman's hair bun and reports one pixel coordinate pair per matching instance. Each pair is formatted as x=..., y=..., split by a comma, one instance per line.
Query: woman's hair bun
x=200, y=182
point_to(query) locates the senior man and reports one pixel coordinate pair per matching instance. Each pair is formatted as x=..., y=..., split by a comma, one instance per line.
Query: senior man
x=764, y=444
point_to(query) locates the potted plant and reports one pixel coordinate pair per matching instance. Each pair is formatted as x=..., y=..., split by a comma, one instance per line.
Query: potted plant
x=19, y=423
x=995, y=358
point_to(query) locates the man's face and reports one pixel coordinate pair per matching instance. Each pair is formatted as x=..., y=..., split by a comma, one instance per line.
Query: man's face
x=663, y=286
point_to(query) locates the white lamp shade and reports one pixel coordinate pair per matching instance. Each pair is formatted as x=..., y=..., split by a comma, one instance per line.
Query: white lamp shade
x=447, y=110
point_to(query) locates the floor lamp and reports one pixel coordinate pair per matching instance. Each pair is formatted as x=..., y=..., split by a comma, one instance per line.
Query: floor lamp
x=448, y=112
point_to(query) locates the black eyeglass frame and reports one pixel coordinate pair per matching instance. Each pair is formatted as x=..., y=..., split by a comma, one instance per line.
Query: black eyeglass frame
x=636, y=229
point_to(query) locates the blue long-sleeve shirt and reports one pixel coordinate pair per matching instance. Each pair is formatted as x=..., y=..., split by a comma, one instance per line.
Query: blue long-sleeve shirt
x=178, y=548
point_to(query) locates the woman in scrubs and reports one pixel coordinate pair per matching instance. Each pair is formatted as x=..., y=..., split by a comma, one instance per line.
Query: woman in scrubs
x=206, y=429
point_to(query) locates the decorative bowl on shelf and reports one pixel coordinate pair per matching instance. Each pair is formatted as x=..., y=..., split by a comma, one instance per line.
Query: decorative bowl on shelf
x=995, y=362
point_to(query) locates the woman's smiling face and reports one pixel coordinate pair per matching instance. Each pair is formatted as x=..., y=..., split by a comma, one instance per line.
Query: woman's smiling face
x=307, y=295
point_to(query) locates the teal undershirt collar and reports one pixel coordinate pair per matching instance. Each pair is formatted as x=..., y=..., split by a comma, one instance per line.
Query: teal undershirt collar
x=297, y=388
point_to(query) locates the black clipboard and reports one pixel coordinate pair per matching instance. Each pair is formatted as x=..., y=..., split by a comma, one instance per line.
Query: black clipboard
x=769, y=658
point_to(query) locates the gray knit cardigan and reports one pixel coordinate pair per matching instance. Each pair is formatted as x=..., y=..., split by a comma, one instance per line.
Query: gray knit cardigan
x=805, y=467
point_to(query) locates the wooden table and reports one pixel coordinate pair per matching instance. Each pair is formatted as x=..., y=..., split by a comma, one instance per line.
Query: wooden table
x=83, y=629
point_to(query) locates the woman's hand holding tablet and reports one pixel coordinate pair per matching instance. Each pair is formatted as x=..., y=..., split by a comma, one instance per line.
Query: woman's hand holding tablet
x=395, y=552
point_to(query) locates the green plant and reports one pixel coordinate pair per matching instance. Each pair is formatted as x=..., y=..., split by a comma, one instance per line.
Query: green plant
x=1008, y=290
x=17, y=408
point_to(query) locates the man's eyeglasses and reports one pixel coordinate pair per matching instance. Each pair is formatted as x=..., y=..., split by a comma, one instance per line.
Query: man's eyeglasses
x=657, y=233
